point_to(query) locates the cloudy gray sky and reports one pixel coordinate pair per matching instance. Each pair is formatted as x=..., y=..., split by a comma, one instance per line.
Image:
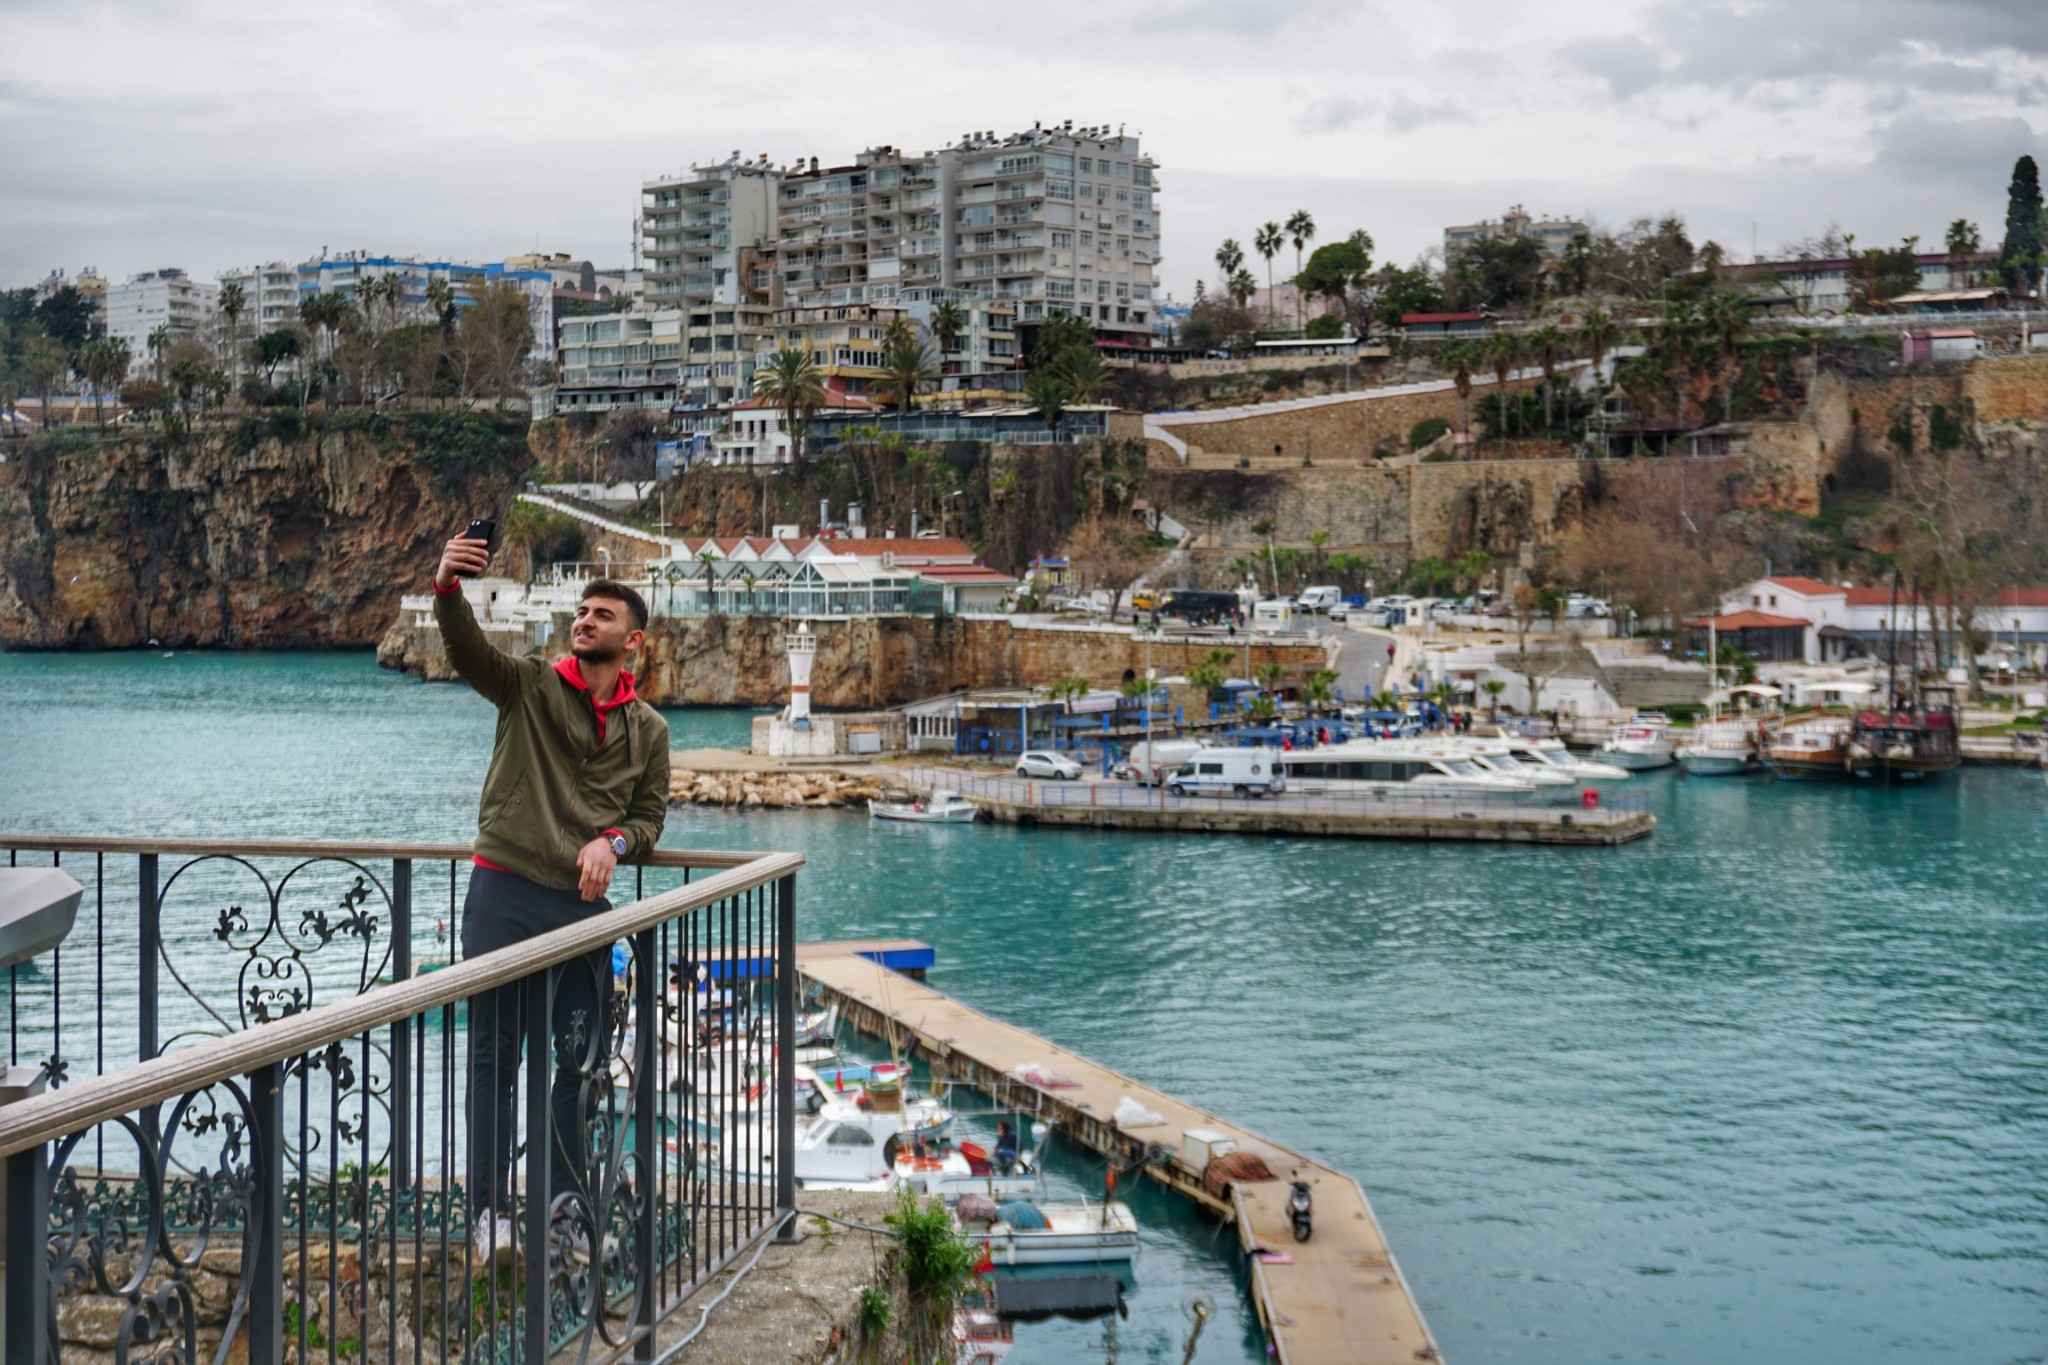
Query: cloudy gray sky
x=209, y=133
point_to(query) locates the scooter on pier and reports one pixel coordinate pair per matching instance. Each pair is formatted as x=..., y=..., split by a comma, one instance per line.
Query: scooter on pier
x=1300, y=1207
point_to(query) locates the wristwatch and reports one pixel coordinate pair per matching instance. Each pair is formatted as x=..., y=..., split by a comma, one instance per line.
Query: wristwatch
x=618, y=842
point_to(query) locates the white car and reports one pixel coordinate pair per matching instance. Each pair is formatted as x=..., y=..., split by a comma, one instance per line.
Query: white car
x=1046, y=763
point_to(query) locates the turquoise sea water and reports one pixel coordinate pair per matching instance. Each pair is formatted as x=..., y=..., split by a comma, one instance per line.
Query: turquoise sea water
x=1771, y=1084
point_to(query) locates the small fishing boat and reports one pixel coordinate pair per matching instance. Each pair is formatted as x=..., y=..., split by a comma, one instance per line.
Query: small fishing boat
x=1639, y=744
x=940, y=808
x=1027, y=1233
x=1811, y=748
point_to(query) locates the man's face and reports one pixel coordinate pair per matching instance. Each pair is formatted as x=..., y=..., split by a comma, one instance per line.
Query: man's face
x=604, y=631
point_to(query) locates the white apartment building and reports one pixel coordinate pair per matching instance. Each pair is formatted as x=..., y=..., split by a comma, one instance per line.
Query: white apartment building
x=1820, y=287
x=1552, y=234
x=270, y=300
x=702, y=230
x=620, y=360
x=1059, y=219
x=158, y=298
x=1836, y=623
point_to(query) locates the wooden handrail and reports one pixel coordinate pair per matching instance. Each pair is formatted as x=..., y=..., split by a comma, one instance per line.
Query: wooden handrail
x=303, y=848
x=77, y=1107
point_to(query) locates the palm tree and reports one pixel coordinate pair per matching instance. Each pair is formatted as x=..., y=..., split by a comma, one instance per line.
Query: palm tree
x=43, y=363
x=159, y=344
x=1460, y=358
x=1230, y=260
x=1269, y=676
x=1302, y=230
x=791, y=382
x=1677, y=333
x=1599, y=333
x=1080, y=369
x=1267, y=243
x=1493, y=687
x=1209, y=674
x=1320, y=690
x=1068, y=690
x=1548, y=344
x=948, y=324
x=1242, y=287
x=1318, y=545
x=1050, y=394
x=907, y=368
x=104, y=363
x=233, y=303
x=1728, y=320
x=1501, y=351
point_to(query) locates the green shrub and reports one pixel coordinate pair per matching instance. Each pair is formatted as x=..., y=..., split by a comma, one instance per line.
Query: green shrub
x=1425, y=431
x=1324, y=327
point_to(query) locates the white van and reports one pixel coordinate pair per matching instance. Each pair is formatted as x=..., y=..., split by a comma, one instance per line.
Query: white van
x=1239, y=772
x=1319, y=599
x=1151, y=761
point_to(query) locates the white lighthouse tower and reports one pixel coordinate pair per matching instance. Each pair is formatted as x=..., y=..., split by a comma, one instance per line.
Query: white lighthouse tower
x=802, y=647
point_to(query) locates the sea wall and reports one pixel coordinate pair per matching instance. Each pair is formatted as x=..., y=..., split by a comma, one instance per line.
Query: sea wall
x=871, y=662
x=282, y=531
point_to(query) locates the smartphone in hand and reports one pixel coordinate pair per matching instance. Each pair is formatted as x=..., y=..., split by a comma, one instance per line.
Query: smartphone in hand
x=484, y=529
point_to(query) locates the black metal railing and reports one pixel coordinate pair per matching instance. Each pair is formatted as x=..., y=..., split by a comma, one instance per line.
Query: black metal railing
x=535, y=1150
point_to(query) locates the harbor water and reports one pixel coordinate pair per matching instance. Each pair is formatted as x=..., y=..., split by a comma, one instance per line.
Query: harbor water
x=1772, y=1083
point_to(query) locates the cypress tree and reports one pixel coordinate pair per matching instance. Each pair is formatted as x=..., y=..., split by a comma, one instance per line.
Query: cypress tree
x=2021, y=254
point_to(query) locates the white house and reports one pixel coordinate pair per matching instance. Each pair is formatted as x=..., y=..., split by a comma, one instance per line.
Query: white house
x=1836, y=624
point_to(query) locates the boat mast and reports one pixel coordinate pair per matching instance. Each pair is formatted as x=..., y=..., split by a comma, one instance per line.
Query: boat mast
x=1891, y=647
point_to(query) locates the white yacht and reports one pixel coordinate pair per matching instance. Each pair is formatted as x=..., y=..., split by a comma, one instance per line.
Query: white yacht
x=1498, y=755
x=1551, y=754
x=1645, y=742
x=1395, y=767
x=1724, y=747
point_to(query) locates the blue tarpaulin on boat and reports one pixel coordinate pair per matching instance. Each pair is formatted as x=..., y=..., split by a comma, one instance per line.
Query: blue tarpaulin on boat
x=1019, y=1214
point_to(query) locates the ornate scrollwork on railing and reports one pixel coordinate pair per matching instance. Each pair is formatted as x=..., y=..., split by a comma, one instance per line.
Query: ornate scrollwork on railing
x=288, y=962
x=128, y=1256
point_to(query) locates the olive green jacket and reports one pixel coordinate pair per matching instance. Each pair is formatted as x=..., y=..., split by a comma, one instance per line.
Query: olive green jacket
x=552, y=786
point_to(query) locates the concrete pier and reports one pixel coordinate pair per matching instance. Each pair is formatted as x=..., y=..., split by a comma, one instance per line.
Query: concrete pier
x=1117, y=805
x=1338, y=1297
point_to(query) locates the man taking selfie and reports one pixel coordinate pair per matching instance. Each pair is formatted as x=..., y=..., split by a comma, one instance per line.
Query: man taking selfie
x=578, y=782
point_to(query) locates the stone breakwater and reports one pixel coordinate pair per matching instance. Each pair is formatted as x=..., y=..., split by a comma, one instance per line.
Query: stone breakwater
x=774, y=790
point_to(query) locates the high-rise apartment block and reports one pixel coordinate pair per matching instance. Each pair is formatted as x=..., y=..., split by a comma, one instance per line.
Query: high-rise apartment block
x=1049, y=220
x=169, y=299
x=270, y=298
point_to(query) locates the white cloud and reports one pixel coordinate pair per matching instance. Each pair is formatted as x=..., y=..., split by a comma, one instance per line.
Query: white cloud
x=207, y=133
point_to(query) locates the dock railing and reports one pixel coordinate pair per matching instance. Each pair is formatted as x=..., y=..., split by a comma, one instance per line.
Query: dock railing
x=1606, y=807
x=310, y=1183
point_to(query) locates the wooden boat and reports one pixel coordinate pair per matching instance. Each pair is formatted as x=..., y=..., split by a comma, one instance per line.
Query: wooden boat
x=1918, y=740
x=941, y=808
x=1815, y=747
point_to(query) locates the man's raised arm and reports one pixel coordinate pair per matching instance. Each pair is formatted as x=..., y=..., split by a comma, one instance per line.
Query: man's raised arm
x=482, y=665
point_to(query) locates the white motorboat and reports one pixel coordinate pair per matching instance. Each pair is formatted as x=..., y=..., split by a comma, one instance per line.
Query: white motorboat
x=1551, y=755
x=953, y=1172
x=1639, y=744
x=1394, y=767
x=1074, y=1234
x=1721, y=748
x=940, y=808
x=1499, y=756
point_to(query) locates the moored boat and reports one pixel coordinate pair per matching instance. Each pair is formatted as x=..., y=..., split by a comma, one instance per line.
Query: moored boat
x=1640, y=744
x=1025, y=1233
x=1727, y=747
x=940, y=808
x=1814, y=747
x=1916, y=740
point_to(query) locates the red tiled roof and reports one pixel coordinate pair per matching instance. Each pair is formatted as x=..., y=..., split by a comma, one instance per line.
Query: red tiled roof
x=964, y=573
x=902, y=547
x=1805, y=587
x=1749, y=620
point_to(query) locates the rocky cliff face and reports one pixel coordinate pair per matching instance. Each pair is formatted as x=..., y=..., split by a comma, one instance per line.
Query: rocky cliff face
x=280, y=531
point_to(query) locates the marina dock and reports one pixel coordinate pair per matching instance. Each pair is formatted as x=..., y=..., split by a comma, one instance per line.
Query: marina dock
x=1119, y=805
x=1340, y=1298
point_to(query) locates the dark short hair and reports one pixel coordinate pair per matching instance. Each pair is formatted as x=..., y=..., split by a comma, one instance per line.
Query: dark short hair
x=636, y=605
